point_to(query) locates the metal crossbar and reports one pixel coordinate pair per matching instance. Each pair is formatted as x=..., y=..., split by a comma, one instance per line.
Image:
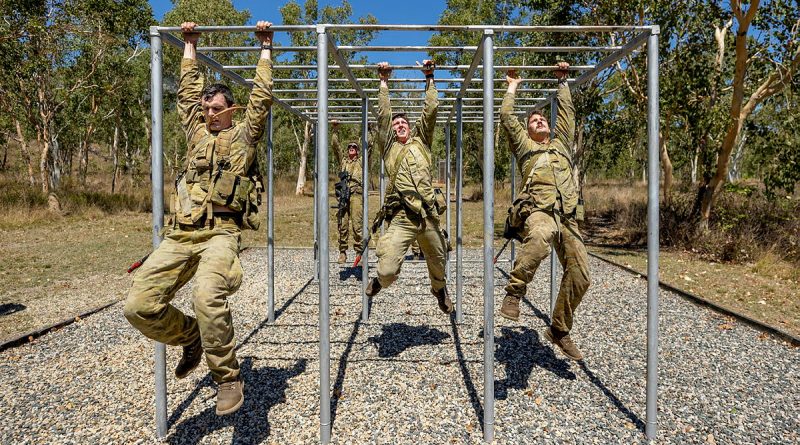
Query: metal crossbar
x=312, y=104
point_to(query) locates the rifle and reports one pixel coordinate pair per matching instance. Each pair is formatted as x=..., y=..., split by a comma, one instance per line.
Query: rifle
x=136, y=265
x=376, y=224
x=342, y=189
x=501, y=251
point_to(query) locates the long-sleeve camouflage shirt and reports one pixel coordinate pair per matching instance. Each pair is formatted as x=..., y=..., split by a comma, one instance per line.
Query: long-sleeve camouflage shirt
x=546, y=167
x=233, y=149
x=412, y=174
x=350, y=166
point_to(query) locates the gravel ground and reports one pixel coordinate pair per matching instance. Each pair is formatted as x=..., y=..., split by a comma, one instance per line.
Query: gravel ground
x=409, y=375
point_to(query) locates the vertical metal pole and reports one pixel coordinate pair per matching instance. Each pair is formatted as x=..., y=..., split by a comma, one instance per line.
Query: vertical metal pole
x=447, y=197
x=324, y=270
x=653, y=171
x=513, y=197
x=459, y=212
x=270, y=224
x=553, y=257
x=157, y=180
x=488, y=235
x=365, y=213
x=316, y=197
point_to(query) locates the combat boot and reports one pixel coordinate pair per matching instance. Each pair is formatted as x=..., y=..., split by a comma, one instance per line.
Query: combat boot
x=510, y=307
x=230, y=396
x=445, y=304
x=192, y=353
x=373, y=288
x=564, y=342
x=342, y=257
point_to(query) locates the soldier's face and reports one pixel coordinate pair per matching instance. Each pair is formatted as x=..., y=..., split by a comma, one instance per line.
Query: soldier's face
x=400, y=127
x=538, y=129
x=212, y=110
x=352, y=152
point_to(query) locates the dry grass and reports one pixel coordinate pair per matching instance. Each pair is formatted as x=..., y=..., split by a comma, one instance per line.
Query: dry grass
x=760, y=292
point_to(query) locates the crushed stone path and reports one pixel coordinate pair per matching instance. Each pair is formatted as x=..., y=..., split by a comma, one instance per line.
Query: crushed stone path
x=410, y=374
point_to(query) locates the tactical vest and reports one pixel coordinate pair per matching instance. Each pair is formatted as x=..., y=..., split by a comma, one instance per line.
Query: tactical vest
x=217, y=174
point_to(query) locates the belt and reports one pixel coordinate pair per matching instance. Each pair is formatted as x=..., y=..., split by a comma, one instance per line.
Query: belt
x=219, y=218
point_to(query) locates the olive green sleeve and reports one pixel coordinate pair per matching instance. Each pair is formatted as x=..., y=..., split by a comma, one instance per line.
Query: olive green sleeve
x=565, y=120
x=384, y=119
x=190, y=90
x=517, y=135
x=336, y=148
x=258, y=106
x=427, y=121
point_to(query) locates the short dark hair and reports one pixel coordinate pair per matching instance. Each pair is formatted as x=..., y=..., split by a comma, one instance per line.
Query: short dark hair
x=218, y=88
x=533, y=112
x=399, y=114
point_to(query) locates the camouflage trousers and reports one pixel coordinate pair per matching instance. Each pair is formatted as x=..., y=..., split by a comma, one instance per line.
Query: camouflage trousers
x=353, y=217
x=212, y=257
x=394, y=244
x=540, y=231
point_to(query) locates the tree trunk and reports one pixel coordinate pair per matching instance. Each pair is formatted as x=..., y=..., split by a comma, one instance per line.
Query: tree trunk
x=666, y=165
x=115, y=157
x=303, y=152
x=735, y=173
x=26, y=154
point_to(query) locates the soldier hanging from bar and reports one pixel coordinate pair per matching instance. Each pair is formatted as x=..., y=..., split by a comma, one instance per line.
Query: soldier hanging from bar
x=547, y=209
x=216, y=198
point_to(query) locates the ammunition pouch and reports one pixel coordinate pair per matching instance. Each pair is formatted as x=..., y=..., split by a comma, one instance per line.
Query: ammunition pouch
x=440, y=201
x=390, y=208
x=252, y=218
x=518, y=213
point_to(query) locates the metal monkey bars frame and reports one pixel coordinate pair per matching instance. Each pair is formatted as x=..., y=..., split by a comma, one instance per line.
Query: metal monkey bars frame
x=353, y=107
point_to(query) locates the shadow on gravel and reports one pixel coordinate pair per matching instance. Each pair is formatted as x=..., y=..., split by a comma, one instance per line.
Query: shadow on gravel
x=264, y=388
x=613, y=398
x=462, y=365
x=340, y=373
x=10, y=308
x=278, y=313
x=349, y=271
x=520, y=351
x=397, y=337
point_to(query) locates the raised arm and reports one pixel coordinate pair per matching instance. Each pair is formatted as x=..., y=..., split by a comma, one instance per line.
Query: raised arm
x=336, y=146
x=260, y=101
x=565, y=120
x=190, y=88
x=517, y=134
x=384, y=108
x=427, y=121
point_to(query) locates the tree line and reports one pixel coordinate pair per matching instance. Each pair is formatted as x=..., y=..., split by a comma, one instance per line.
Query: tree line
x=76, y=89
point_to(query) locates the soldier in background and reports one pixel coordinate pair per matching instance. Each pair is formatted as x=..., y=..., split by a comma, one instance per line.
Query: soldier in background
x=352, y=213
x=411, y=207
x=547, y=209
x=216, y=198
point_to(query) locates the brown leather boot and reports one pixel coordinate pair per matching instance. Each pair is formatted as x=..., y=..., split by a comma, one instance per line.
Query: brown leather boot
x=373, y=288
x=564, y=342
x=342, y=257
x=230, y=396
x=510, y=307
x=192, y=353
x=445, y=304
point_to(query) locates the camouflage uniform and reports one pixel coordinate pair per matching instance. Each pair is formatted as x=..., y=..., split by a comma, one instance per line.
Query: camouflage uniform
x=216, y=196
x=355, y=209
x=416, y=216
x=546, y=208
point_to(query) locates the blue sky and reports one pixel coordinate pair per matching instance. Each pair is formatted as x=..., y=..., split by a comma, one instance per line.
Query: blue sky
x=422, y=12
